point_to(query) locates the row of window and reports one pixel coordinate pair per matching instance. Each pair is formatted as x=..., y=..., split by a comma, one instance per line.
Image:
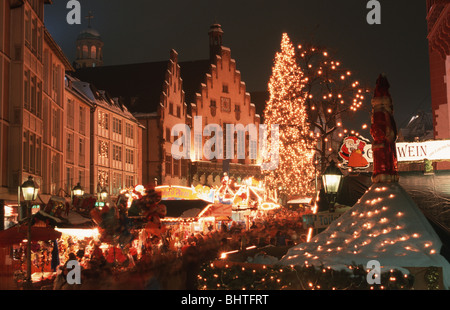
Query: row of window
x=32, y=93
x=38, y=7
x=103, y=123
x=56, y=128
x=172, y=112
x=116, y=181
x=241, y=148
x=90, y=52
x=32, y=152
x=70, y=146
x=71, y=117
x=103, y=151
x=176, y=167
x=33, y=34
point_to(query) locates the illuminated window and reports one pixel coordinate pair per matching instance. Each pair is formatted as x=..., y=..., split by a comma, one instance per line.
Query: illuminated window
x=103, y=149
x=103, y=120
x=93, y=52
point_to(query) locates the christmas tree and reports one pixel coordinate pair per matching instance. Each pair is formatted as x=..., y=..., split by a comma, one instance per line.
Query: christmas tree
x=286, y=112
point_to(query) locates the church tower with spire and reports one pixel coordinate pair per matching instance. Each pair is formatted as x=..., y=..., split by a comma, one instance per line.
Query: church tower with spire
x=89, y=46
x=215, y=40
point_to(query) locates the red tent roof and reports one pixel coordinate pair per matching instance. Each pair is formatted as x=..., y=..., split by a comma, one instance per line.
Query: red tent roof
x=17, y=234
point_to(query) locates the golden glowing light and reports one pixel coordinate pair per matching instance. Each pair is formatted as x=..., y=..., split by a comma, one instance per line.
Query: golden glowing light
x=286, y=108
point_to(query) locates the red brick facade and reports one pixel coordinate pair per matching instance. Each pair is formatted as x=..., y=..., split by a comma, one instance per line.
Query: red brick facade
x=438, y=18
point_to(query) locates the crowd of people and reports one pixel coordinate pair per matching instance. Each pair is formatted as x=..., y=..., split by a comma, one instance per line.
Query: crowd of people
x=173, y=260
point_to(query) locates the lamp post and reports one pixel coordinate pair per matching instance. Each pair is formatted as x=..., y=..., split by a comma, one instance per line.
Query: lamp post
x=77, y=191
x=332, y=178
x=29, y=191
x=103, y=195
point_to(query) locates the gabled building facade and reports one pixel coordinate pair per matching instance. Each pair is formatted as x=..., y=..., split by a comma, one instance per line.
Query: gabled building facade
x=163, y=94
x=114, y=161
x=223, y=100
x=32, y=101
x=77, y=134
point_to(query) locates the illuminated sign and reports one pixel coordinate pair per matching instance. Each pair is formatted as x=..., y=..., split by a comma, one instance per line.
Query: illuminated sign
x=186, y=193
x=434, y=150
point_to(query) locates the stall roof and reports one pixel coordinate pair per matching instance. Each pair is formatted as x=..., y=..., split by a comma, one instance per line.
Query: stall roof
x=70, y=220
x=176, y=208
x=217, y=210
x=18, y=233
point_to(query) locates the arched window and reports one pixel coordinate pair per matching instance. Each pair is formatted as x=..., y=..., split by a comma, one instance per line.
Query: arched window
x=85, y=51
x=93, y=51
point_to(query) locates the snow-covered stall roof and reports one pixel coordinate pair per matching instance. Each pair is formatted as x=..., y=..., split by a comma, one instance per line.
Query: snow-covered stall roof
x=384, y=225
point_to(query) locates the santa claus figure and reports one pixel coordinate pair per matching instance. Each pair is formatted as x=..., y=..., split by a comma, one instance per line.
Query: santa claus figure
x=352, y=151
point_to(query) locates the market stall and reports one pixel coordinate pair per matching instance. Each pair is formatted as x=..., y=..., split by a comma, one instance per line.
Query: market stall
x=13, y=242
x=182, y=215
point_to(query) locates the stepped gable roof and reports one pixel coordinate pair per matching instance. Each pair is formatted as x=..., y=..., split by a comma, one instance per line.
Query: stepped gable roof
x=140, y=85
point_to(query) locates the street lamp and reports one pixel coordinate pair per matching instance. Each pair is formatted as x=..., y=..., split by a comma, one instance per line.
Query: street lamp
x=77, y=190
x=29, y=191
x=332, y=178
x=103, y=195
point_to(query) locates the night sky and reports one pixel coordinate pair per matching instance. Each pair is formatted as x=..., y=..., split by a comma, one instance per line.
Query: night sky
x=136, y=31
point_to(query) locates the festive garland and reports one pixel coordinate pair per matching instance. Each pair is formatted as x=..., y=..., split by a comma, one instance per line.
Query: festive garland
x=238, y=277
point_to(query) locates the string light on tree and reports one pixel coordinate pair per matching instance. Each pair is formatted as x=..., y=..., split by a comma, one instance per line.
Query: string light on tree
x=332, y=95
x=286, y=108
